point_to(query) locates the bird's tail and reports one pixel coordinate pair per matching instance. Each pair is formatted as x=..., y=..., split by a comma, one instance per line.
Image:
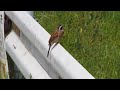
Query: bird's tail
x=48, y=50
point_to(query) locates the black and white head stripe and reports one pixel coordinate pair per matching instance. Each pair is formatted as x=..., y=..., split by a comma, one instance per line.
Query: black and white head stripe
x=60, y=27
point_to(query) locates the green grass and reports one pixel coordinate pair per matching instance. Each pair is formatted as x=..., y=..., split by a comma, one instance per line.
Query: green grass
x=2, y=71
x=91, y=37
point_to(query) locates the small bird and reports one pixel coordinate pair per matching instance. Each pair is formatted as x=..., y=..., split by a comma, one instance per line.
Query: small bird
x=55, y=37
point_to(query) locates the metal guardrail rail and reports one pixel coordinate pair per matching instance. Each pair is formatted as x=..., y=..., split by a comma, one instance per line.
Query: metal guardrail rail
x=27, y=64
x=64, y=65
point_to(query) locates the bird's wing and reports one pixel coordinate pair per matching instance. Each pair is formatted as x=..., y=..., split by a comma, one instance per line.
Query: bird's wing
x=53, y=36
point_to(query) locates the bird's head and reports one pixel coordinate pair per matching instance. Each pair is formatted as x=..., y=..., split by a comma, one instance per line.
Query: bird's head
x=60, y=27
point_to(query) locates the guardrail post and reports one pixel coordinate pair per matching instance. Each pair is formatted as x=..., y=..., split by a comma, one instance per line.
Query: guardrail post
x=3, y=58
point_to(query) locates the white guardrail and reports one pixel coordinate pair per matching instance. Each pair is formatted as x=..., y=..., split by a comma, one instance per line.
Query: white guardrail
x=60, y=64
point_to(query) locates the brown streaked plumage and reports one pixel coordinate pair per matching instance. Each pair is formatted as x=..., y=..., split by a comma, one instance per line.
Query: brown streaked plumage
x=55, y=37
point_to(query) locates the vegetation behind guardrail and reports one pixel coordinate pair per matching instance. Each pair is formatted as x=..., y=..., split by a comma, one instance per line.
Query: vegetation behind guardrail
x=92, y=37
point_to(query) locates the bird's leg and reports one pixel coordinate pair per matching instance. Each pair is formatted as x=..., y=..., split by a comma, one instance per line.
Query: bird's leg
x=55, y=45
x=48, y=50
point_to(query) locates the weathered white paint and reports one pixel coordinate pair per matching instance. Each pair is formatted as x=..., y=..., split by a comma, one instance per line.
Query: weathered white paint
x=27, y=64
x=2, y=46
x=64, y=64
x=3, y=57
